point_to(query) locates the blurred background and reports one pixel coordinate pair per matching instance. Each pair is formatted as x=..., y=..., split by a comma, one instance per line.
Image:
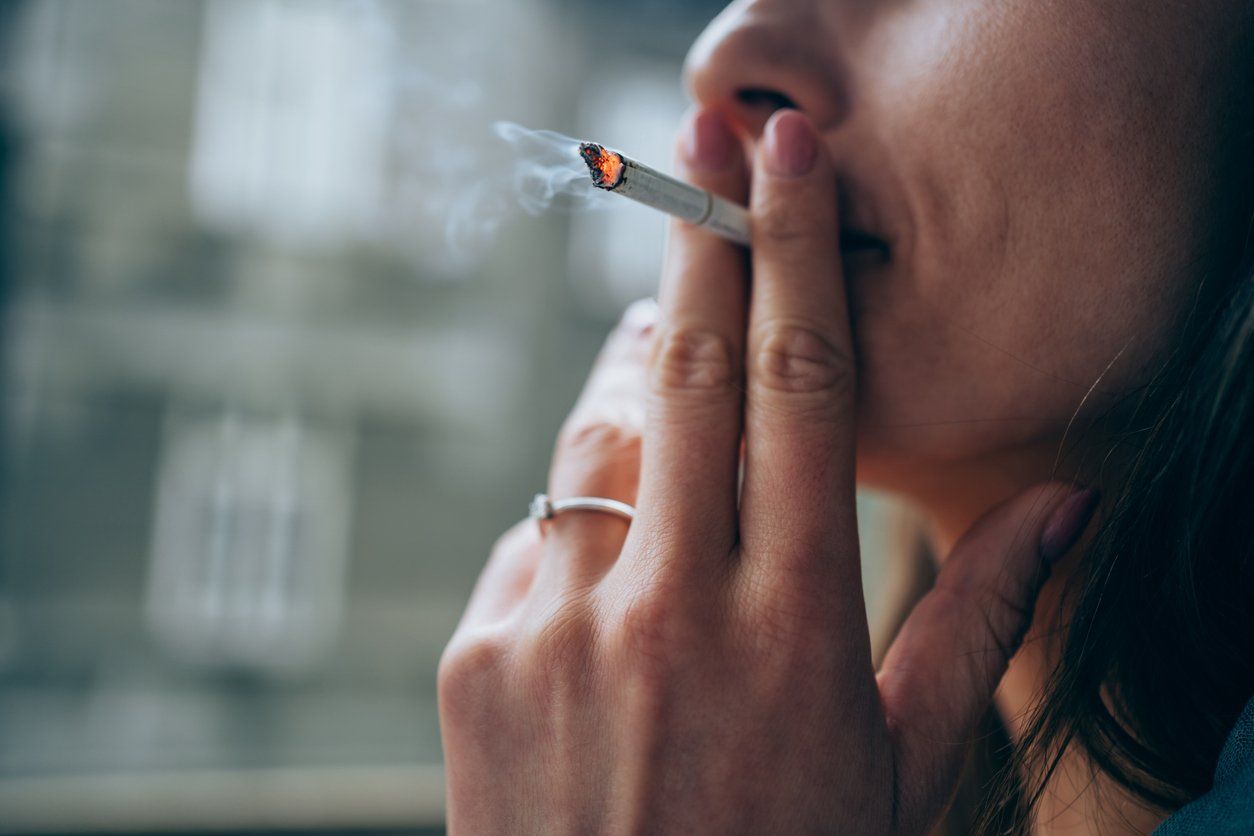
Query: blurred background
x=275, y=376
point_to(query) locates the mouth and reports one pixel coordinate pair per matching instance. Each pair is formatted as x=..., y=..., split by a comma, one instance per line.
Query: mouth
x=862, y=246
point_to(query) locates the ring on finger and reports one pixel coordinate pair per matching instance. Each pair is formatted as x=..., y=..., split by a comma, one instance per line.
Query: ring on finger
x=544, y=508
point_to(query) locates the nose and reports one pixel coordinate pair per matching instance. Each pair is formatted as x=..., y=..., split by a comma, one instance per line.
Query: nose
x=762, y=55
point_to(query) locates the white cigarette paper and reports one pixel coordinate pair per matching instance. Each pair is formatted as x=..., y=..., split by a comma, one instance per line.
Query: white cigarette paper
x=618, y=173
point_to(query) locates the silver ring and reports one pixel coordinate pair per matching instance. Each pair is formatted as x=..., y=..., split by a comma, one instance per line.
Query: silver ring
x=543, y=508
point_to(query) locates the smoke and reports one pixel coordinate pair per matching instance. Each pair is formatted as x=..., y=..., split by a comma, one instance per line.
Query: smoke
x=535, y=172
x=455, y=178
x=547, y=170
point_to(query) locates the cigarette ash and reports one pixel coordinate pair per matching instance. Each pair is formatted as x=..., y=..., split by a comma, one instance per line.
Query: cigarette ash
x=605, y=166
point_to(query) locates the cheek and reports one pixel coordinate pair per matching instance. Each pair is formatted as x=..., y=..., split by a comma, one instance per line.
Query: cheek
x=992, y=348
x=953, y=337
x=1045, y=259
x=953, y=378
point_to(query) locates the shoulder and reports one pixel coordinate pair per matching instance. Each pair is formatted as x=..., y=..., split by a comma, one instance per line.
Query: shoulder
x=1229, y=806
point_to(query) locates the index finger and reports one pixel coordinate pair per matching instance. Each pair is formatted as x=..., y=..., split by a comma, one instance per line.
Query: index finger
x=689, y=468
x=797, y=507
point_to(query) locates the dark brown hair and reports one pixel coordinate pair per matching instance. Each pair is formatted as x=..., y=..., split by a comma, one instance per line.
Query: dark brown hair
x=1157, y=623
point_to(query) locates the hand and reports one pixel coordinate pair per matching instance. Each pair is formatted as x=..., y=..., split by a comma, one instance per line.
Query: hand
x=708, y=668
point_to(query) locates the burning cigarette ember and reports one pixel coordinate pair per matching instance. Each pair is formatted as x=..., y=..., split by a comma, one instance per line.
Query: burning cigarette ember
x=605, y=166
x=615, y=172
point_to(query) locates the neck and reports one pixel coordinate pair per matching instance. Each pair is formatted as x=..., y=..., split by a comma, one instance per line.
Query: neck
x=951, y=500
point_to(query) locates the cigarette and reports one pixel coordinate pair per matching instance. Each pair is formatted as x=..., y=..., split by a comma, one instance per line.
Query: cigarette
x=618, y=173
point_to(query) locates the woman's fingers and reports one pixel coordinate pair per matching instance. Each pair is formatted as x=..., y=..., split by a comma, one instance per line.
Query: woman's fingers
x=693, y=422
x=798, y=502
x=940, y=673
x=505, y=579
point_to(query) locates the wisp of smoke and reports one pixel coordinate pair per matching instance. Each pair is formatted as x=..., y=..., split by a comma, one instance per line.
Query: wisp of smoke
x=546, y=170
x=536, y=172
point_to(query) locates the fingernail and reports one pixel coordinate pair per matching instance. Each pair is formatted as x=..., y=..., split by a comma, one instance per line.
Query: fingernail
x=791, y=146
x=1068, y=523
x=710, y=144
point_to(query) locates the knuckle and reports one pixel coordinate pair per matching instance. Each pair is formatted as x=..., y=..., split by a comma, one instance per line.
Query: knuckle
x=600, y=439
x=786, y=620
x=633, y=336
x=693, y=359
x=1002, y=594
x=654, y=631
x=516, y=539
x=564, y=649
x=798, y=359
x=788, y=223
x=645, y=621
x=468, y=672
x=644, y=639
x=1002, y=615
x=640, y=318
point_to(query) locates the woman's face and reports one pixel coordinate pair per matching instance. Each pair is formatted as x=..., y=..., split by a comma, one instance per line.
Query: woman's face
x=1047, y=179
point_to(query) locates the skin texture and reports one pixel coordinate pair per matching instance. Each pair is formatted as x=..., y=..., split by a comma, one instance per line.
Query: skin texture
x=1046, y=177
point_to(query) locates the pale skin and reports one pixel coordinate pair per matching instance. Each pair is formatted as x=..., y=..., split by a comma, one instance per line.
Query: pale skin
x=707, y=669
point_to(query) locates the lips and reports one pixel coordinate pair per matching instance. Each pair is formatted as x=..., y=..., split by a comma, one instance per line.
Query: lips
x=857, y=241
x=861, y=252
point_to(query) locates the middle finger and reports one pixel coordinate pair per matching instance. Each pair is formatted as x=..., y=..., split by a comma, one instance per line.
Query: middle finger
x=799, y=415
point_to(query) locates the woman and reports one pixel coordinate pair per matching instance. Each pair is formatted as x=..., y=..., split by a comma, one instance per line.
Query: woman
x=998, y=268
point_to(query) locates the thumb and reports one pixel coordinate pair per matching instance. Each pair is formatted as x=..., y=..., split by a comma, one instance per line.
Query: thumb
x=940, y=673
